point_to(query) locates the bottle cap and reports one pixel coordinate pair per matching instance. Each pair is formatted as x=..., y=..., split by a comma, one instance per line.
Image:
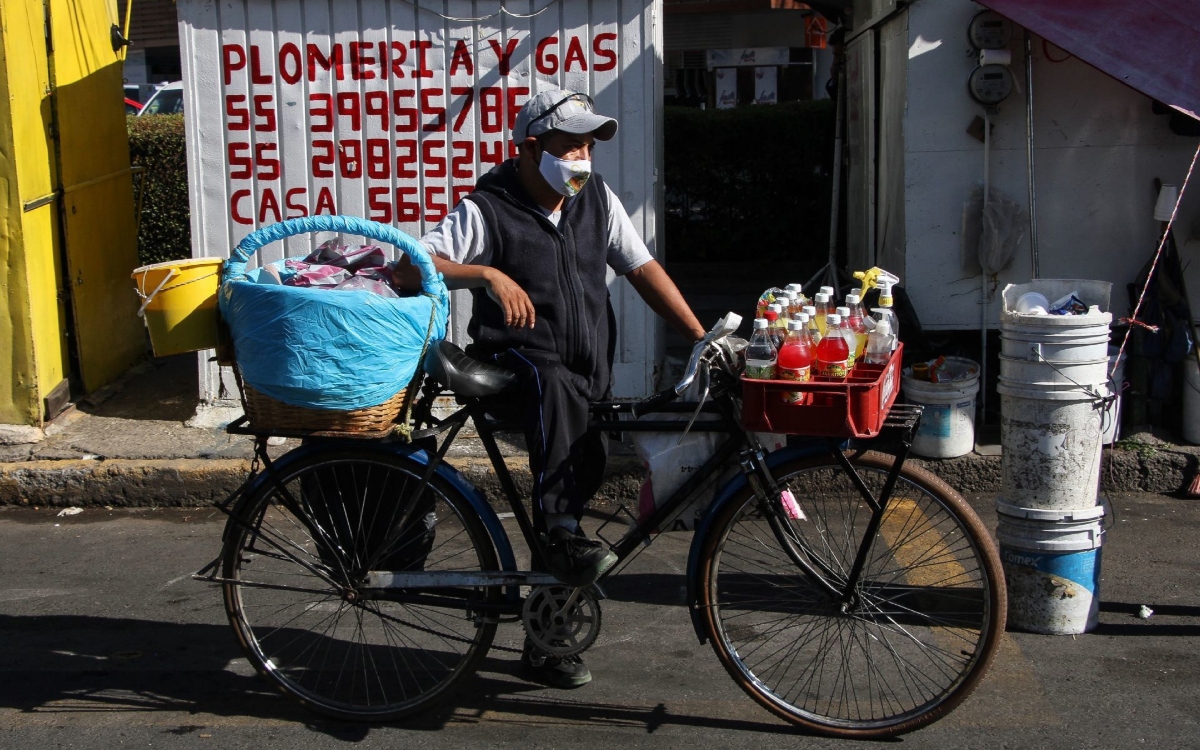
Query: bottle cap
x=883, y=328
x=760, y=323
x=810, y=310
x=853, y=299
x=833, y=319
x=844, y=312
x=775, y=307
x=796, y=324
x=822, y=298
x=795, y=288
x=803, y=317
x=827, y=290
x=885, y=293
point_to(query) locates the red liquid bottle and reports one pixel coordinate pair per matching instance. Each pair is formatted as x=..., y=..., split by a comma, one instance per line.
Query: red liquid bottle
x=795, y=360
x=833, y=353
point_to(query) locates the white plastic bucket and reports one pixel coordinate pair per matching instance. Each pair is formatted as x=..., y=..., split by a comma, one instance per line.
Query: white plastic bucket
x=1110, y=418
x=1191, y=399
x=948, y=423
x=1039, y=340
x=1056, y=338
x=1053, y=382
x=1053, y=376
x=1050, y=448
x=1051, y=564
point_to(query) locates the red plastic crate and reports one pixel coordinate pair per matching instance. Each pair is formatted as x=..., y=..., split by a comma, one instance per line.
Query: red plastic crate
x=854, y=407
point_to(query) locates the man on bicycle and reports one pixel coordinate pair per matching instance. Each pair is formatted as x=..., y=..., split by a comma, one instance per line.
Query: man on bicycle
x=533, y=243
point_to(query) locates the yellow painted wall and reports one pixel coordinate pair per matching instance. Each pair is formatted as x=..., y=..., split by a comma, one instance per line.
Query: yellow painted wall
x=88, y=195
x=26, y=238
x=98, y=220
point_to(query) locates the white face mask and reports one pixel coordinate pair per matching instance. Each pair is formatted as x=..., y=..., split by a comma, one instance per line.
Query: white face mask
x=566, y=177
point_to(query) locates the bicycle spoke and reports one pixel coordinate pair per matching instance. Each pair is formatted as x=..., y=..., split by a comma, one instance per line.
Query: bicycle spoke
x=344, y=652
x=913, y=631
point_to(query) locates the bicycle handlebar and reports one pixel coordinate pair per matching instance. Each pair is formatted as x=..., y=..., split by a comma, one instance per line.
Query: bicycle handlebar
x=723, y=328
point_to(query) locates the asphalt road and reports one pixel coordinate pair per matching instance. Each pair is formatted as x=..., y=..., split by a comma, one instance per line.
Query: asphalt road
x=106, y=641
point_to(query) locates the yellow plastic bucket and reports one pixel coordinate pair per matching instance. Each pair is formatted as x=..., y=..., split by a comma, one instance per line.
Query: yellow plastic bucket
x=179, y=304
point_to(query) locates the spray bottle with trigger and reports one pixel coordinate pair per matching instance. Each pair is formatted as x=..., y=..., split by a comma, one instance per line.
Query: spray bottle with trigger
x=877, y=277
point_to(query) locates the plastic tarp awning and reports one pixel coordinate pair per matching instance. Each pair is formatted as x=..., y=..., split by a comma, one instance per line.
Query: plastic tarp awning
x=1150, y=45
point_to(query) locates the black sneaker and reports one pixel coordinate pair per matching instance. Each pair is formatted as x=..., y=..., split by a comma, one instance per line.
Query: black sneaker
x=563, y=672
x=576, y=560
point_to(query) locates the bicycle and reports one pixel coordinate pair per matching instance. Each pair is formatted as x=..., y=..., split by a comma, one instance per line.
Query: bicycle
x=368, y=579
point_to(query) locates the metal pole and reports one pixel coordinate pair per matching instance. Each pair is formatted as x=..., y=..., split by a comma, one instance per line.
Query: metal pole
x=829, y=270
x=1033, y=242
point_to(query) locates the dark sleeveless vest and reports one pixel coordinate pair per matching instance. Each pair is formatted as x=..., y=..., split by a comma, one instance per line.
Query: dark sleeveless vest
x=562, y=269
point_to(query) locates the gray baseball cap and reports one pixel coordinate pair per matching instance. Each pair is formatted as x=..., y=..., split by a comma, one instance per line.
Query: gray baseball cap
x=568, y=111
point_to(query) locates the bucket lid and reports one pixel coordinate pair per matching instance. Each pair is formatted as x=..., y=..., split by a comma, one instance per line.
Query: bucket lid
x=1046, y=514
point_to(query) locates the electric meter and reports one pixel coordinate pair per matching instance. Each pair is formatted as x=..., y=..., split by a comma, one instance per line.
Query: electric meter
x=989, y=30
x=990, y=84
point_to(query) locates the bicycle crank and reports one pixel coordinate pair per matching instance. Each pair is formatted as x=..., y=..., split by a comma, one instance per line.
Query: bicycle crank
x=561, y=620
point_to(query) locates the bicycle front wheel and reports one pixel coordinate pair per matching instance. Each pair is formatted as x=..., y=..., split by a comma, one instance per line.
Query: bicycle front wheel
x=901, y=649
x=295, y=559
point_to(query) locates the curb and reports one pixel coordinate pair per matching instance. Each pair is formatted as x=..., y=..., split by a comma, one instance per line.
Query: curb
x=194, y=482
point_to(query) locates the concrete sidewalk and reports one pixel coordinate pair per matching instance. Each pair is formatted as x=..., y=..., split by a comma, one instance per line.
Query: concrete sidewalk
x=130, y=446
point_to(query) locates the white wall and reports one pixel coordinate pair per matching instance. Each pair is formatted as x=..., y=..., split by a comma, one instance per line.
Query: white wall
x=1097, y=149
x=233, y=53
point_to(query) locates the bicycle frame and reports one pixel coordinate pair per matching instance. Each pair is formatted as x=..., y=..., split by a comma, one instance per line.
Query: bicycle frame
x=755, y=473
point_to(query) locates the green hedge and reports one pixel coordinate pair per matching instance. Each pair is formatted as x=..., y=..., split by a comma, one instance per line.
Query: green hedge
x=749, y=183
x=156, y=143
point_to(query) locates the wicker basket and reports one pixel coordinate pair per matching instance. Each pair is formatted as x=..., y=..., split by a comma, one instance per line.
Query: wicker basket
x=269, y=415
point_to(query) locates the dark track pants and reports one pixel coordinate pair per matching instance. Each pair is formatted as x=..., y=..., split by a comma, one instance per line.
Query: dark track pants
x=566, y=461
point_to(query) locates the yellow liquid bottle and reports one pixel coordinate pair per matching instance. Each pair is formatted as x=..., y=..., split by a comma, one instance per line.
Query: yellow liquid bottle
x=824, y=308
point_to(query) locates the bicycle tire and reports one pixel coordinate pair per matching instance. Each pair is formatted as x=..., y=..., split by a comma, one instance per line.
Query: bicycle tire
x=929, y=612
x=294, y=548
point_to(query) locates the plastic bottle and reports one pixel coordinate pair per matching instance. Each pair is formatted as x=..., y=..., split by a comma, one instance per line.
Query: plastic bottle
x=785, y=307
x=798, y=304
x=824, y=308
x=879, y=344
x=761, y=353
x=776, y=324
x=857, y=323
x=795, y=360
x=797, y=291
x=814, y=330
x=845, y=331
x=832, y=353
x=770, y=315
x=885, y=312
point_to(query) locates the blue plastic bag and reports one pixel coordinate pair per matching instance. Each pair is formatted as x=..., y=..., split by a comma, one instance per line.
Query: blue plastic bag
x=322, y=349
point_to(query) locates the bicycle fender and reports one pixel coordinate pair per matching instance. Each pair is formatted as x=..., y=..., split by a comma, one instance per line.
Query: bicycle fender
x=723, y=496
x=479, y=503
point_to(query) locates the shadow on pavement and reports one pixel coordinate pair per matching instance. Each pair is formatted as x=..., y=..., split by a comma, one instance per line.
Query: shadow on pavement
x=164, y=389
x=74, y=665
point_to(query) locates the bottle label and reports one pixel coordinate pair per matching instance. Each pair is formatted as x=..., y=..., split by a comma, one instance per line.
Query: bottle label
x=799, y=375
x=760, y=370
x=834, y=369
x=850, y=360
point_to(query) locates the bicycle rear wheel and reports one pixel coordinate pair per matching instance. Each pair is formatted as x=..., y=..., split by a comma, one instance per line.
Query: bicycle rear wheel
x=296, y=552
x=923, y=623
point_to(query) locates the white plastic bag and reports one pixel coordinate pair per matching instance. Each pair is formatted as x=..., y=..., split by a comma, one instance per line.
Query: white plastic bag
x=670, y=461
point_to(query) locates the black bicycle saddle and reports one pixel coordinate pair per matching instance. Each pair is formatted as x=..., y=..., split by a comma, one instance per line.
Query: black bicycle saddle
x=454, y=370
